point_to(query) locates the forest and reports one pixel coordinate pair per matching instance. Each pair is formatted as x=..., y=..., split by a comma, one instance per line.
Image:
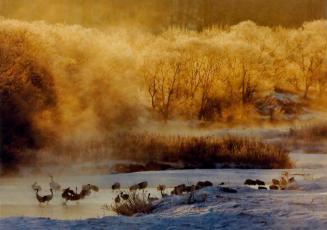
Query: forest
x=58, y=80
x=157, y=16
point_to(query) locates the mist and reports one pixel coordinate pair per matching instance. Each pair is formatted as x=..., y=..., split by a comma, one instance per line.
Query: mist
x=67, y=90
x=62, y=84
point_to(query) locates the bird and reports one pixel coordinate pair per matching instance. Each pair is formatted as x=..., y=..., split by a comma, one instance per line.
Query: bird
x=283, y=182
x=273, y=187
x=291, y=180
x=162, y=188
x=250, y=182
x=86, y=187
x=285, y=173
x=115, y=186
x=69, y=194
x=94, y=188
x=178, y=190
x=54, y=185
x=275, y=182
x=292, y=185
x=199, y=185
x=86, y=190
x=142, y=185
x=190, y=188
x=43, y=199
x=151, y=199
x=35, y=186
x=117, y=199
x=207, y=183
x=134, y=187
x=260, y=182
x=90, y=187
x=124, y=196
x=203, y=184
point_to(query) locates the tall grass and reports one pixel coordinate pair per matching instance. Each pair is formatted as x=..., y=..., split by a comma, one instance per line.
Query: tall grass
x=310, y=132
x=135, y=204
x=308, y=138
x=202, y=152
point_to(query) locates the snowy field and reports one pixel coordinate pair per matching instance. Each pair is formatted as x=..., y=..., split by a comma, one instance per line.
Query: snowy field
x=305, y=208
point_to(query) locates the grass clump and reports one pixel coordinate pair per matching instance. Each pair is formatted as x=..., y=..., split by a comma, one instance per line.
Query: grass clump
x=135, y=204
x=202, y=152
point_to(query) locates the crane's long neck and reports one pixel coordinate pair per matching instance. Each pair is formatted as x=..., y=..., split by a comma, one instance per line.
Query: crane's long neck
x=37, y=194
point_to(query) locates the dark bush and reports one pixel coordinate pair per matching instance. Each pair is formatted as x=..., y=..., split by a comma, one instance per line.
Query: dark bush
x=201, y=152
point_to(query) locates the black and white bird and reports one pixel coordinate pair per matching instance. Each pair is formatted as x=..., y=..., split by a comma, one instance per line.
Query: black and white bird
x=124, y=196
x=43, y=199
x=117, y=199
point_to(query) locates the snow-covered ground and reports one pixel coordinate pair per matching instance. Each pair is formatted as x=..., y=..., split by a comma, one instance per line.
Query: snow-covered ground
x=247, y=209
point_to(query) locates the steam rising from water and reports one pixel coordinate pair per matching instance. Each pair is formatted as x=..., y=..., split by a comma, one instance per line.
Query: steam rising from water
x=64, y=88
x=61, y=84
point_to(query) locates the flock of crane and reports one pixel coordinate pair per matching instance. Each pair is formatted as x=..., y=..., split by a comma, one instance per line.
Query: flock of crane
x=71, y=195
x=177, y=190
x=285, y=182
x=125, y=196
x=67, y=193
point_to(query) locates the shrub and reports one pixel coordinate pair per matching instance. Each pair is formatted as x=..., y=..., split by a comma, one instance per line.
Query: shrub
x=136, y=203
x=201, y=152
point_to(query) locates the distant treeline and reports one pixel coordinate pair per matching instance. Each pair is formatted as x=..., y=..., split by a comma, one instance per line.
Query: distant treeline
x=157, y=15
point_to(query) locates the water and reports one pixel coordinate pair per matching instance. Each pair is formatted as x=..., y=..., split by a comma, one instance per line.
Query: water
x=18, y=199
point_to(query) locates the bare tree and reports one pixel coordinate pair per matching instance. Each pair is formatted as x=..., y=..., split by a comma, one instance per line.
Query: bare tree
x=162, y=82
x=240, y=79
x=309, y=54
x=208, y=73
